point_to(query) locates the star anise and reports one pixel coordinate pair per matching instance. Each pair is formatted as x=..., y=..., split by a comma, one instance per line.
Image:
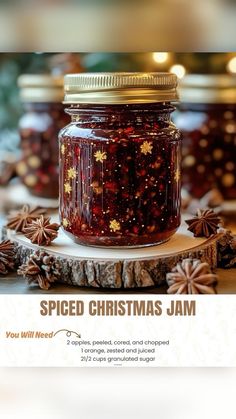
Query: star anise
x=204, y=224
x=7, y=256
x=40, y=268
x=41, y=231
x=191, y=276
x=18, y=220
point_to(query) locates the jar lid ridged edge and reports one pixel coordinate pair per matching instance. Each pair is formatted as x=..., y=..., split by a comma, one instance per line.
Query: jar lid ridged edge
x=120, y=87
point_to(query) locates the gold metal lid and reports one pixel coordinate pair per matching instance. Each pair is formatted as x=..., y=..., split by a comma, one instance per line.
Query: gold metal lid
x=204, y=88
x=40, y=88
x=120, y=88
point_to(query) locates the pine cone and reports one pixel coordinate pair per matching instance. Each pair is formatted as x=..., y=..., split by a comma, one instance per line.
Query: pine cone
x=226, y=247
x=204, y=224
x=18, y=220
x=41, y=232
x=191, y=276
x=7, y=257
x=40, y=268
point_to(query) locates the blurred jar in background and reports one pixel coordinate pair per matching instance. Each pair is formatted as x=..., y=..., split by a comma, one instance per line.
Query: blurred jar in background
x=207, y=118
x=39, y=125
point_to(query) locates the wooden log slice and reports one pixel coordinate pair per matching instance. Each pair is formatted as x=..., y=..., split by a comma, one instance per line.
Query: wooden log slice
x=119, y=268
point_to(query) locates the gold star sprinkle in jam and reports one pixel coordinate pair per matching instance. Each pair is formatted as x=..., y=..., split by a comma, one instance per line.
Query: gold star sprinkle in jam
x=63, y=149
x=65, y=222
x=177, y=175
x=146, y=148
x=67, y=187
x=100, y=156
x=114, y=225
x=71, y=173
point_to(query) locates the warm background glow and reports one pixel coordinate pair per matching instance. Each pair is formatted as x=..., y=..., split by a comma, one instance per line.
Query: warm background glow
x=231, y=66
x=179, y=70
x=160, y=57
x=103, y=25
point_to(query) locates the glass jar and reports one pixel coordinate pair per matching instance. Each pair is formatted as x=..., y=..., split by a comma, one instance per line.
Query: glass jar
x=120, y=160
x=39, y=126
x=207, y=119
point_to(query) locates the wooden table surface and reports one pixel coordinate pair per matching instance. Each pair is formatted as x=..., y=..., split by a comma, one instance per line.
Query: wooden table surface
x=13, y=284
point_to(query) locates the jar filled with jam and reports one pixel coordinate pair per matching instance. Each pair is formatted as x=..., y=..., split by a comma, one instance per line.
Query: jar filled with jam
x=120, y=159
x=42, y=119
x=207, y=118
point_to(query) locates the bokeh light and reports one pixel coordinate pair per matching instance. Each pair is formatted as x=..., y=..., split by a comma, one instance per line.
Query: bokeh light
x=160, y=57
x=179, y=70
x=231, y=66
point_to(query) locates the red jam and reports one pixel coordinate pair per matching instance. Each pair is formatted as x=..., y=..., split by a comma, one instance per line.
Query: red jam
x=38, y=167
x=120, y=174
